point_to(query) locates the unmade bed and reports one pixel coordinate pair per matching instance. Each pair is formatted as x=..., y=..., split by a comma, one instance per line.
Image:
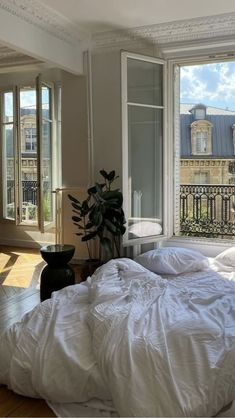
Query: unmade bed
x=152, y=337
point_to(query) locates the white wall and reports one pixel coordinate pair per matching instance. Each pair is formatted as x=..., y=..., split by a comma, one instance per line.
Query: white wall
x=107, y=112
x=106, y=92
x=74, y=131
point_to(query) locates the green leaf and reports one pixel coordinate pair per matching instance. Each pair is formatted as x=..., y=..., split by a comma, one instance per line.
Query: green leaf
x=114, y=195
x=89, y=225
x=85, y=208
x=92, y=190
x=87, y=237
x=106, y=244
x=75, y=206
x=73, y=199
x=122, y=229
x=79, y=226
x=110, y=226
x=76, y=219
x=98, y=219
x=111, y=175
x=104, y=174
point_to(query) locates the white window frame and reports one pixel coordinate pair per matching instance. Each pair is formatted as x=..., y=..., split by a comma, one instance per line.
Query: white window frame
x=125, y=188
x=19, y=221
x=12, y=89
x=209, y=246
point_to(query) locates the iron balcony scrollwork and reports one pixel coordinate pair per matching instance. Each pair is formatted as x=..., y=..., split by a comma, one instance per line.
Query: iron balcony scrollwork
x=207, y=210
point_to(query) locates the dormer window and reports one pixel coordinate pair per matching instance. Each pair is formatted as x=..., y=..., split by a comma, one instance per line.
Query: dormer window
x=201, y=141
x=201, y=137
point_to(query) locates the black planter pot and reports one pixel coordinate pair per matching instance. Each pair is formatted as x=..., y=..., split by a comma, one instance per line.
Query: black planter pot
x=57, y=274
x=89, y=267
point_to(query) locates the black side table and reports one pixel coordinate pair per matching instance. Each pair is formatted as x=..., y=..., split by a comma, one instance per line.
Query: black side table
x=57, y=274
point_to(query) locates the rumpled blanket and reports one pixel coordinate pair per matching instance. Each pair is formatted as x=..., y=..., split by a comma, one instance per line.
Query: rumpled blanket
x=150, y=346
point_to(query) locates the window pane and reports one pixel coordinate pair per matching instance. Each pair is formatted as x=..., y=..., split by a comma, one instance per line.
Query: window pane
x=28, y=155
x=27, y=102
x=145, y=171
x=144, y=80
x=47, y=171
x=46, y=108
x=8, y=107
x=8, y=170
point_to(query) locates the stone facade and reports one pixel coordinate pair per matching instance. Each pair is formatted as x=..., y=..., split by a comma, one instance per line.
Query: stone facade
x=206, y=171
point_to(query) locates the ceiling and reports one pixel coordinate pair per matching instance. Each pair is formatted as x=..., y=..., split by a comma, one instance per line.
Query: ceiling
x=106, y=22
x=93, y=16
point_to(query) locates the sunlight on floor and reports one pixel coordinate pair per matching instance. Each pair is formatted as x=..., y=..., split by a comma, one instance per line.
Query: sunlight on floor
x=17, y=268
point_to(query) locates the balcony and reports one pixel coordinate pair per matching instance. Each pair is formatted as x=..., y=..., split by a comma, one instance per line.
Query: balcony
x=29, y=199
x=207, y=210
x=29, y=191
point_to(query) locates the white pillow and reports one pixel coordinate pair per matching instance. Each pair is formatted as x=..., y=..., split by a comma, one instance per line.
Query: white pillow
x=227, y=257
x=173, y=260
x=145, y=229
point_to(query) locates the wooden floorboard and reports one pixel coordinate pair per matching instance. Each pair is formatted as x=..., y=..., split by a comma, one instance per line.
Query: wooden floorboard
x=20, y=271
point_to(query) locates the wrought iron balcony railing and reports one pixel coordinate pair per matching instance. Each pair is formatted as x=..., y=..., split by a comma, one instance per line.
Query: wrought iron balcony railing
x=207, y=210
x=28, y=191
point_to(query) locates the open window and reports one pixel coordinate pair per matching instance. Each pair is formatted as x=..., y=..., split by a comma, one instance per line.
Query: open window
x=26, y=129
x=45, y=158
x=144, y=147
x=205, y=113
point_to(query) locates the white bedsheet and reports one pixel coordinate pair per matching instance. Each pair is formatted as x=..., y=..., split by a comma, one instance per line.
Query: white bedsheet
x=141, y=344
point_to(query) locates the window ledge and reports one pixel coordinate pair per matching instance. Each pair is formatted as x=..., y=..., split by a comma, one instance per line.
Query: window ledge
x=207, y=246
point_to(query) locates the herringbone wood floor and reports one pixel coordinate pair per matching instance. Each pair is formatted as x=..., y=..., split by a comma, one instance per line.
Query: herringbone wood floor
x=19, y=292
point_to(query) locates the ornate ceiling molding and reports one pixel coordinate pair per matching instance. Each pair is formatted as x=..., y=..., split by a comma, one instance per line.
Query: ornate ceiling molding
x=11, y=58
x=47, y=19
x=189, y=30
x=159, y=35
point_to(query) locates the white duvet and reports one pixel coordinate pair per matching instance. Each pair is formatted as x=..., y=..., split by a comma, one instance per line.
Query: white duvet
x=142, y=344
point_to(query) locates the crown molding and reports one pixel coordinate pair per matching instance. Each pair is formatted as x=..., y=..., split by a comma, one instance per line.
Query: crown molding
x=45, y=18
x=11, y=58
x=163, y=34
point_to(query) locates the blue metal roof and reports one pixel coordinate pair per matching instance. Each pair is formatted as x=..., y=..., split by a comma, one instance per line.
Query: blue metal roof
x=222, y=136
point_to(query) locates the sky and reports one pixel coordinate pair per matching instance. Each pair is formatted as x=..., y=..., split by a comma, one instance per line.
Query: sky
x=210, y=84
x=27, y=100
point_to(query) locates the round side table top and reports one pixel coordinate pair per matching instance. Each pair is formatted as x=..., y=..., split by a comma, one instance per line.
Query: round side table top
x=57, y=253
x=57, y=248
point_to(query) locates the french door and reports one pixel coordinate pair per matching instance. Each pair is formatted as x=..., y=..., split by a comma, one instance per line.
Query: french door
x=144, y=148
x=26, y=129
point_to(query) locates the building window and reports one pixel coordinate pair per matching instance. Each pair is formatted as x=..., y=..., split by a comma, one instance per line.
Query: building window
x=201, y=142
x=201, y=137
x=201, y=177
x=30, y=140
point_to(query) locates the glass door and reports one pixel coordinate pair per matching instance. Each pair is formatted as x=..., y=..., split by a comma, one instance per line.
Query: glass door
x=8, y=122
x=143, y=121
x=27, y=160
x=26, y=129
x=44, y=126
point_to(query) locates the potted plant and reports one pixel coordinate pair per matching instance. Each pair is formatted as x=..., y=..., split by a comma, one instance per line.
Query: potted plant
x=100, y=217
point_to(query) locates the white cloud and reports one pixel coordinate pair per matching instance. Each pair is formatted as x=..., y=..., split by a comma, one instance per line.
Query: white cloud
x=209, y=83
